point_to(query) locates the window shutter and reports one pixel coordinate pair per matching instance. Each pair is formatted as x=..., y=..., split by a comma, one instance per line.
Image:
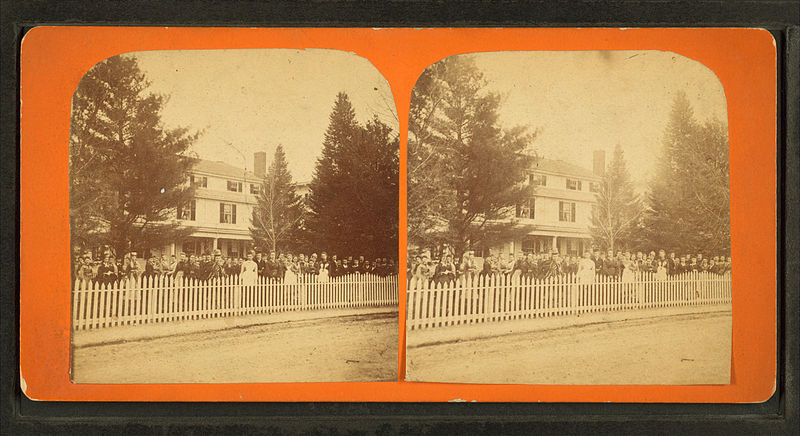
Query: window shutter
x=194, y=208
x=533, y=207
x=573, y=212
x=222, y=212
x=233, y=214
x=179, y=212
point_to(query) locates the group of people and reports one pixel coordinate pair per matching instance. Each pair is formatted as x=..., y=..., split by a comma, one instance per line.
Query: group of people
x=620, y=265
x=283, y=266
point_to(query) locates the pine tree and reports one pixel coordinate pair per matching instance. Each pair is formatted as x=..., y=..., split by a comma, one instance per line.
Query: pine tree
x=689, y=199
x=465, y=174
x=277, y=217
x=353, y=198
x=618, y=209
x=128, y=173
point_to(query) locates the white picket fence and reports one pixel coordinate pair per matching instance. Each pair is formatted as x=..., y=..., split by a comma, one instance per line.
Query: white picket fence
x=162, y=299
x=501, y=298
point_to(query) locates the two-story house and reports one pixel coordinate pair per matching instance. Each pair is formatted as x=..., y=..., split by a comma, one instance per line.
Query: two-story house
x=220, y=212
x=558, y=214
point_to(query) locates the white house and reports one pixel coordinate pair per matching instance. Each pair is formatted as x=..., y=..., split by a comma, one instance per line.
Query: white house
x=558, y=215
x=221, y=210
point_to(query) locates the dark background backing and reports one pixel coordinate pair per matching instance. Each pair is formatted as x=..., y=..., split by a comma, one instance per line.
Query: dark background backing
x=779, y=415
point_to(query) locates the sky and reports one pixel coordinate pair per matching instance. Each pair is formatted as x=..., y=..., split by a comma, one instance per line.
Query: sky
x=582, y=101
x=252, y=100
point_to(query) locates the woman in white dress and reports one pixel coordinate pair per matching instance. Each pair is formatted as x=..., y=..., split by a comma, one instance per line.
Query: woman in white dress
x=586, y=274
x=290, y=277
x=586, y=270
x=661, y=266
x=248, y=275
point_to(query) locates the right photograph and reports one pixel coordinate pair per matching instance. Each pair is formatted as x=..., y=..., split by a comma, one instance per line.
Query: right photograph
x=568, y=221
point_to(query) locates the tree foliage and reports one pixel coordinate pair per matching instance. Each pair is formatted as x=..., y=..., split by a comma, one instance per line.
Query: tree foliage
x=277, y=217
x=127, y=171
x=618, y=209
x=465, y=173
x=353, y=198
x=689, y=207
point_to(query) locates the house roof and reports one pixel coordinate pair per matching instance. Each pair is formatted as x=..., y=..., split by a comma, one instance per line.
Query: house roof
x=562, y=167
x=222, y=169
x=218, y=168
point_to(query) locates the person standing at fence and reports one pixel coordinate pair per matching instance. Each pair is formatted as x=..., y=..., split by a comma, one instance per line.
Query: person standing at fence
x=248, y=275
x=107, y=271
x=132, y=269
x=630, y=268
x=661, y=266
x=217, y=269
x=312, y=267
x=610, y=266
x=488, y=265
x=152, y=268
x=344, y=269
x=671, y=264
x=425, y=270
x=292, y=270
x=324, y=268
x=586, y=269
x=552, y=267
x=519, y=266
x=334, y=266
x=469, y=267
x=84, y=272
x=445, y=270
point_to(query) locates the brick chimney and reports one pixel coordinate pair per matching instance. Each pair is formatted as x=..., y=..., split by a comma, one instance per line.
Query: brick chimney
x=599, y=163
x=260, y=164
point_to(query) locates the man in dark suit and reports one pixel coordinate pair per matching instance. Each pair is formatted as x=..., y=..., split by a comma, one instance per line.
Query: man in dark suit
x=271, y=267
x=344, y=269
x=324, y=264
x=610, y=265
x=334, y=266
x=260, y=264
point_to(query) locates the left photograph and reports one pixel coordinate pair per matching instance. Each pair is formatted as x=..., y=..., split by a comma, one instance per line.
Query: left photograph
x=234, y=219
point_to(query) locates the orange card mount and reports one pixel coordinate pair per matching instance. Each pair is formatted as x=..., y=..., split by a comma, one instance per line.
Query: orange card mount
x=54, y=59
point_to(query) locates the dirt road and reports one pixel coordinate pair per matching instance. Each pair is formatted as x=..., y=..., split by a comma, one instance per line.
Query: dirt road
x=351, y=348
x=687, y=349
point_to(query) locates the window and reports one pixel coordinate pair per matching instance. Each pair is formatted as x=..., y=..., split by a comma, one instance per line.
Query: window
x=199, y=181
x=527, y=209
x=187, y=212
x=234, y=186
x=566, y=211
x=227, y=213
x=537, y=179
x=594, y=187
x=528, y=245
x=255, y=189
x=573, y=184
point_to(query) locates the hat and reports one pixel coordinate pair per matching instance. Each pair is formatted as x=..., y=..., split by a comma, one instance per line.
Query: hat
x=217, y=252
x=555, y=251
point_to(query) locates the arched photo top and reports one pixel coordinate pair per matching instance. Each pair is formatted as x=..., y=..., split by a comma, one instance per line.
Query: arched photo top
x=258, y=98
x=578, y=101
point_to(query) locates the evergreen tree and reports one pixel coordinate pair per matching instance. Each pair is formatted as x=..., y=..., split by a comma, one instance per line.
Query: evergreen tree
x=353, y=198
x=618, y=209
x=128, y=173
x=689, y=199
x=465, y=174
x=278, y=215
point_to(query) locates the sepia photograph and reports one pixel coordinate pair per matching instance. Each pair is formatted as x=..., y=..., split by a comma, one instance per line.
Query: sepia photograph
x=569, y=221
x=234, y=218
